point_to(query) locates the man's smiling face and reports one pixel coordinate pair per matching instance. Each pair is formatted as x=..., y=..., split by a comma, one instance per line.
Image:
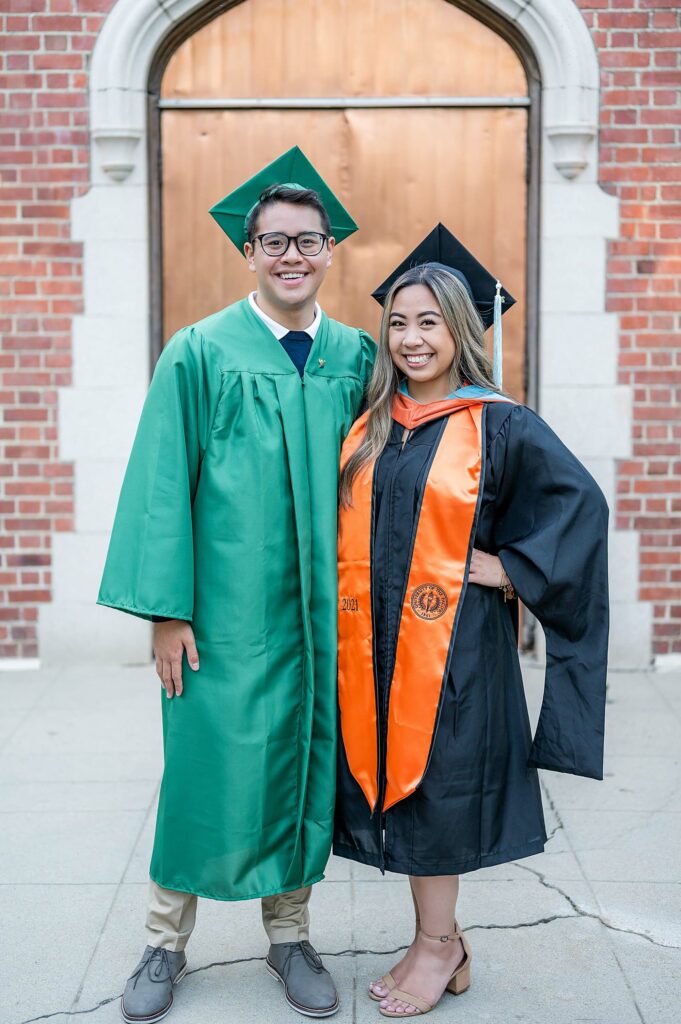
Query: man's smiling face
x=290, y=281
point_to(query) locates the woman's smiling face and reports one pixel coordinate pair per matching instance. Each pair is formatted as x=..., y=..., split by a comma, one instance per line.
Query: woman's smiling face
x=421, y=346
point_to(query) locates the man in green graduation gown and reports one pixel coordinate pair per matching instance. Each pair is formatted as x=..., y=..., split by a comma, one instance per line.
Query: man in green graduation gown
x=225, y=537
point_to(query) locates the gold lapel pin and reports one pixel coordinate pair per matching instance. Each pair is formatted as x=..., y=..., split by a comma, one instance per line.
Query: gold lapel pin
x=322, y=362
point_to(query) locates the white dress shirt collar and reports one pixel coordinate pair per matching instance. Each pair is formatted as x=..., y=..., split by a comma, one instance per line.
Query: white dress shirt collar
x=278, y=330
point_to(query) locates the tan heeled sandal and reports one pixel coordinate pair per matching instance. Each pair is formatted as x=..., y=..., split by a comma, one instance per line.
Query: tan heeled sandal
x=458, y=983
x=387, y=981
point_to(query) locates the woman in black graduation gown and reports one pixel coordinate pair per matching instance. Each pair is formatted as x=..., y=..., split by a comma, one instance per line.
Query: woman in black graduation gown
x=455, y=499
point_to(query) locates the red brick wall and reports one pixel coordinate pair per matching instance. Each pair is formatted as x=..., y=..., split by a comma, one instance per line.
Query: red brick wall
x=639, y=44
x=44, y=50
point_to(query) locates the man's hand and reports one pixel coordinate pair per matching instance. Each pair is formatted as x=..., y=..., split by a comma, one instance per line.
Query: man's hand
x=171, y=639
x=486, y=570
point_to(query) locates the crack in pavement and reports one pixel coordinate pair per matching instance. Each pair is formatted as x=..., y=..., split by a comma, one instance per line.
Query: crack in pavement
x=207, y=967
x=72, y=1013
x=552, y=804
x=581, y=912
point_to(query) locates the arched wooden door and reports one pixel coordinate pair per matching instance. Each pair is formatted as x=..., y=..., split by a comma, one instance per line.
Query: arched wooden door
x=412, y=110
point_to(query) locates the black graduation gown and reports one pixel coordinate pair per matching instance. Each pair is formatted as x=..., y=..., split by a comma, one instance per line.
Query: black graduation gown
x=479, y=802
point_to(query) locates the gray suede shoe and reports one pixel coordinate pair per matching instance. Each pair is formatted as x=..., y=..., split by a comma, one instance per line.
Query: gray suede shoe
x=148, y=995
x=308, y=986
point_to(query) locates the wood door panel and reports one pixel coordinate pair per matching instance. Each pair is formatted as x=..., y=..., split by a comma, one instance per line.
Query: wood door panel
x=344, y=48
x=398, y=172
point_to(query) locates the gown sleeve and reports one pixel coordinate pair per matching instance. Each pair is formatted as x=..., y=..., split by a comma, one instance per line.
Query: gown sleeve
x=367, y=360
x=551, y=536
x=149, y=570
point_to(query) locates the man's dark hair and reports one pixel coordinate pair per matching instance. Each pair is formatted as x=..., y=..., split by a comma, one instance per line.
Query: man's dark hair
x=286, y=194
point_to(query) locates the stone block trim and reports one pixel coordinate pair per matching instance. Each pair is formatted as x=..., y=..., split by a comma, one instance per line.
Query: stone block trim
x=639, y=44
x=44, y=163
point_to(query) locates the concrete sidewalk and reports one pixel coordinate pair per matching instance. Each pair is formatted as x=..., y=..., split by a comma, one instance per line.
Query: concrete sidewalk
x=589, y=931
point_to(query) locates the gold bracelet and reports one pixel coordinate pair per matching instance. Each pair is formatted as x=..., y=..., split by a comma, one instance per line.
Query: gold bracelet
x=506, y=586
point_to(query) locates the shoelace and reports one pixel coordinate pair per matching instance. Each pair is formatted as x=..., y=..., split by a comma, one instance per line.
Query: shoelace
x=308, y=951
x=161, y=967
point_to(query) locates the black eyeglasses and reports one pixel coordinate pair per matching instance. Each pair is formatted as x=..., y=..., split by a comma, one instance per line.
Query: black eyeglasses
x=276, y=243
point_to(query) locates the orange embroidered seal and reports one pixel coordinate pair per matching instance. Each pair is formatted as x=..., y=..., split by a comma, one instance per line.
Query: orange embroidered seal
x=429, y=601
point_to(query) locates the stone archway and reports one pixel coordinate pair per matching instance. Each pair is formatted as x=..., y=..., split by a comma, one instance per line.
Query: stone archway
x=578, y=393
x=135, y=29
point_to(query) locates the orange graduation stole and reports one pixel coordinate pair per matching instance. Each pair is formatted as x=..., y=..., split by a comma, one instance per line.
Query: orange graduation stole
x=433, y=596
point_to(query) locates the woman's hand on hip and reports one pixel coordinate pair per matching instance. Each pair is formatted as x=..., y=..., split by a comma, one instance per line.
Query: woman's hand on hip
x=486, y=570
x=171, y=640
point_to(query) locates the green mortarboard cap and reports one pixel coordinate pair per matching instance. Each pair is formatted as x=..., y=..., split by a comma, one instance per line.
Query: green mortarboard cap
x=293, y=169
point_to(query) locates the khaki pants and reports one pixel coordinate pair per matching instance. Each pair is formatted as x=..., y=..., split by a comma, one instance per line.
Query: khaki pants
x=171, y=917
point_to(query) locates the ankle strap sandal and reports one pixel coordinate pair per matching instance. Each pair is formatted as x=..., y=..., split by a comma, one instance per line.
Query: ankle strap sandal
x=458, y=983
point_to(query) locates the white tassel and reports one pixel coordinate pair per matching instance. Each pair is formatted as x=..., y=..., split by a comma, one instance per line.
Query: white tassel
x=498, y=352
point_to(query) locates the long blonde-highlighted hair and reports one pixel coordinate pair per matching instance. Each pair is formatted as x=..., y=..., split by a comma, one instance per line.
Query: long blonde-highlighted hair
x=471, y=364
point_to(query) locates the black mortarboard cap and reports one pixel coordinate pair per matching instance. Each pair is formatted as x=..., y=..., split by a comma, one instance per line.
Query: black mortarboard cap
x=441, y=248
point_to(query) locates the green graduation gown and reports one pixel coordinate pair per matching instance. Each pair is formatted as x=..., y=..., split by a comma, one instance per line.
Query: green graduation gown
x=227, y=518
